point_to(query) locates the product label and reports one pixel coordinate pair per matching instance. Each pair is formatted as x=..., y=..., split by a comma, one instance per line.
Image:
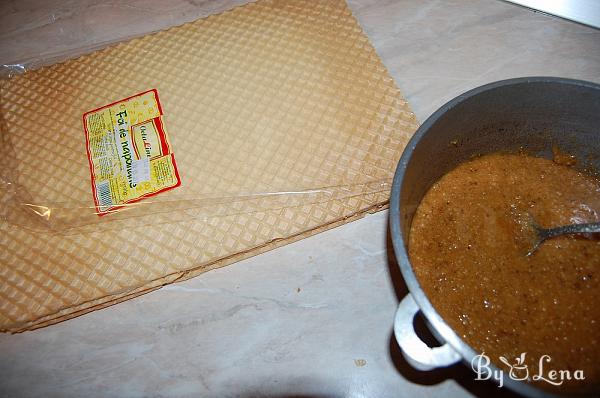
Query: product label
x=129, y=152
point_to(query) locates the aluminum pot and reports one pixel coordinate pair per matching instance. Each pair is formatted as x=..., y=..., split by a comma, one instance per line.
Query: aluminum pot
x=530, y=113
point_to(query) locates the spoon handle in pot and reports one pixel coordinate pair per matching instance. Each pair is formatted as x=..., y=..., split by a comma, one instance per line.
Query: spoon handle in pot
x=572, y=229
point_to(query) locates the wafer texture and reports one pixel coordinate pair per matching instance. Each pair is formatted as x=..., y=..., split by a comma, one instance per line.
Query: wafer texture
x=282, y=119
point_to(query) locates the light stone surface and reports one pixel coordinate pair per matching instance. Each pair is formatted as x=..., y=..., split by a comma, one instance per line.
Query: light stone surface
x=311, y=319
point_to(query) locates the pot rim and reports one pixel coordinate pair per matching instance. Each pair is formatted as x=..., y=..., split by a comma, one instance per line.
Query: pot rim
x=435, y=320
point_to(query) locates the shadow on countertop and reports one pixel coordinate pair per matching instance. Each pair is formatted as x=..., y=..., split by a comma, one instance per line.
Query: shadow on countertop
x=458, y=373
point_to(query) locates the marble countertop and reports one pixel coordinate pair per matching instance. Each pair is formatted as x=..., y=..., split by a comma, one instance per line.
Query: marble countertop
x=311, y=319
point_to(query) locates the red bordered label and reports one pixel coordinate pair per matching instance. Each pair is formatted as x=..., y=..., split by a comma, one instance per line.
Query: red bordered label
x=129, y=152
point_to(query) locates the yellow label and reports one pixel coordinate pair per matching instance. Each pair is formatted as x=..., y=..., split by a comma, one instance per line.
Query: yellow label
x=129, y=152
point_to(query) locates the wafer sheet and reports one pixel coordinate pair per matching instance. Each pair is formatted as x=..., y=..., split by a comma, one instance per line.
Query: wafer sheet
x=281, y=120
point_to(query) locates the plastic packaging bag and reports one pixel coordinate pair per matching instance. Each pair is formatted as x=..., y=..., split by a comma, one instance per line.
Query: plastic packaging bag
x=305, y=131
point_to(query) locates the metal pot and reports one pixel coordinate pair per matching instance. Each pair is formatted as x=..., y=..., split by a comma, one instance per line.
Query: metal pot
x=531, y=113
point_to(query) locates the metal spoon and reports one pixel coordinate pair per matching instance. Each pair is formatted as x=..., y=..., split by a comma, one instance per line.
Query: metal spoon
x=541, y=234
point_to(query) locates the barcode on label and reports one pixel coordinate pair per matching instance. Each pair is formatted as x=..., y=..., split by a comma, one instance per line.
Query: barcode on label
x=104, y=196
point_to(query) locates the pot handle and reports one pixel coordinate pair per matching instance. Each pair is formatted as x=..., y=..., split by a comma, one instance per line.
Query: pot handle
x=415, y=351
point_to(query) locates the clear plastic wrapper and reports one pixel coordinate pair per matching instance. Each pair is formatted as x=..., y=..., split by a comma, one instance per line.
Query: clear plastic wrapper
x=284, y=145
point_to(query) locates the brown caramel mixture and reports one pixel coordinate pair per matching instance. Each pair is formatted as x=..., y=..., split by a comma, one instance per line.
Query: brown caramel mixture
x=468, y=243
